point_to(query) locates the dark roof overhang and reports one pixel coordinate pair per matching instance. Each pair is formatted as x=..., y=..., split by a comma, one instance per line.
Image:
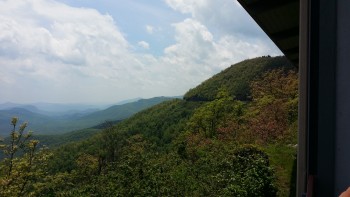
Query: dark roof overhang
x=280, y=21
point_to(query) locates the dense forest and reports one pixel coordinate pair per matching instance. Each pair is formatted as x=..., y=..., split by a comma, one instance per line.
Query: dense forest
x=233, y=135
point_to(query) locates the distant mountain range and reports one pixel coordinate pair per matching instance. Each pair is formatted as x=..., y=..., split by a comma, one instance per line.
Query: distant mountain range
x=47, y=118
x=52, y=109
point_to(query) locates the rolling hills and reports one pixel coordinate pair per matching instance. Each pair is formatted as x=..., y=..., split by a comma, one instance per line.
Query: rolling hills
x=48, y=124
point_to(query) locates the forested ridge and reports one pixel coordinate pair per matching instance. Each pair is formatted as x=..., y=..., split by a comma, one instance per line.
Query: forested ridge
x=233, y=135
x=236, y=79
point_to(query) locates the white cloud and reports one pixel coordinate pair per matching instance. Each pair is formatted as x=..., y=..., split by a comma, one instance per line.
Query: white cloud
x=143, y=44
x=152, y=30
x=184, y=6
x=58, y=53
x=46, y=40
x=232, y=35
x=70, y=38
x=193, y=41
x=200, y=56
x=221, y=16
x=149, y=29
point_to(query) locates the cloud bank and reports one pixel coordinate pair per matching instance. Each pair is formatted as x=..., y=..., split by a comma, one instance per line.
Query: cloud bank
x=52, y=52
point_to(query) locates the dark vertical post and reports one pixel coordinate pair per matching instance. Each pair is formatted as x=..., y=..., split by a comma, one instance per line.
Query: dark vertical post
x=342, y=167
x=327, y=62
x=303, y=98
x=313, y=88
x=317, y=108
x=322, y=85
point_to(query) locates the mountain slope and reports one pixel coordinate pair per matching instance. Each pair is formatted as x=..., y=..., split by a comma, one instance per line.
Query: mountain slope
x=69, y=137
x=119, y=112
x=36, y=121
x=236, y=78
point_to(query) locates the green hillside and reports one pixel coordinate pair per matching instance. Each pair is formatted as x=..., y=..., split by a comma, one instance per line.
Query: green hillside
x=236, y=79
x=37, y=121
x=119, y=112
x=212, y=144
x=59, y=139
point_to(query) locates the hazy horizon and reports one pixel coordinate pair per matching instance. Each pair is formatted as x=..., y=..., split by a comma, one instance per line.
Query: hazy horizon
x=83, y=52
x=117, y=102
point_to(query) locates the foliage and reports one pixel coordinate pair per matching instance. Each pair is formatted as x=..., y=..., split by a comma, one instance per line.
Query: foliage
x=162, y=123
x=220, y=119
x=275, y=106
x=19, y=175
x=283, y=159
x=253, y=176
x=237, y=79
x=60, y=139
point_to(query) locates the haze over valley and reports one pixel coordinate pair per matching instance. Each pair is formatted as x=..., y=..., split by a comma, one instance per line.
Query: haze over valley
x=49, y=118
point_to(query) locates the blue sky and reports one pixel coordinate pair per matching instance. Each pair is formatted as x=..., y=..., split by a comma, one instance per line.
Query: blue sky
x=139, y=20
x=87, y=51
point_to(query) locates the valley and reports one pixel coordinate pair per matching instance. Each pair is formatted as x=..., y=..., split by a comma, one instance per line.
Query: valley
x=53, y=119
x=233, y=135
